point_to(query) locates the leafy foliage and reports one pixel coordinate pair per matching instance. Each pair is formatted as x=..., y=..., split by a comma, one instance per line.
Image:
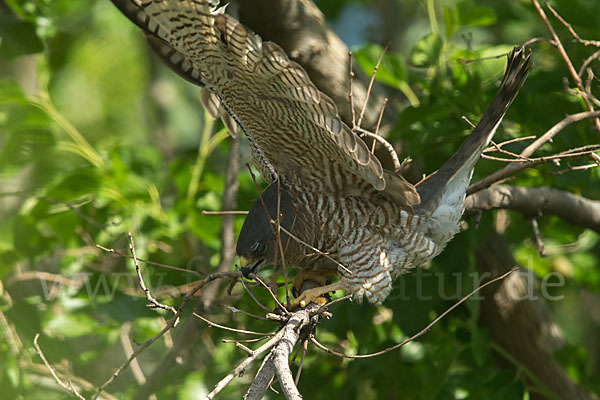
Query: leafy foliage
x=98, y=138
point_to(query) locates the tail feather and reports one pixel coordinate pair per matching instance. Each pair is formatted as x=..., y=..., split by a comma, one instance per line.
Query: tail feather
x=454, y=176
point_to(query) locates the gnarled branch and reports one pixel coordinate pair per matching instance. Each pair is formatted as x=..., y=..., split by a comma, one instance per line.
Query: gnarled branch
x=574, y=209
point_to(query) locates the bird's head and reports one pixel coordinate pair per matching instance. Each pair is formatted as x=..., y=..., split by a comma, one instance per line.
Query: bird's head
x=257, y=243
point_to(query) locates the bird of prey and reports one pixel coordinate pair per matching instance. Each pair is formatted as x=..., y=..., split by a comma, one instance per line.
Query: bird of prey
x=331, y=209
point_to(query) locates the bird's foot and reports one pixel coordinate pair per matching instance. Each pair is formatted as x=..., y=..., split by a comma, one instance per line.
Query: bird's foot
x=318, y=295
x=308, y=278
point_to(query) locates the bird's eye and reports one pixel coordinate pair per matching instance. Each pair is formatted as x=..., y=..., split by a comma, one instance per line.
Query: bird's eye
x=259, y=247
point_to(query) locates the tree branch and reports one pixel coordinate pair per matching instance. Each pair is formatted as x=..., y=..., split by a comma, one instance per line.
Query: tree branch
x=520, y=323
x=193, y=326
x=262, y=380
x=565, y=56
x=532, y=202
x=513, y=168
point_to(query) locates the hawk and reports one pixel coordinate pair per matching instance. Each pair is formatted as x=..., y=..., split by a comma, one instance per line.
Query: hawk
x=331, y=209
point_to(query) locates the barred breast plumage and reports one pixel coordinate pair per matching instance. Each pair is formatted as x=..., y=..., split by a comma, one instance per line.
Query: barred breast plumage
x=332, y=193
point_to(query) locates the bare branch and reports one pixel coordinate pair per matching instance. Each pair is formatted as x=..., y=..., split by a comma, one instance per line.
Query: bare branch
x=565, y=57
x=128, y=349
x=512, y=169
x=301, y=364
x=262, y=380
x=250, y=293
x=350, y=95
x=243, y=365
x=508, y=310
x=243, y=331
x=117, y=252
x=573, y=209
x=464, y=118
x=151, y=300
x=537, y=237
x=420, y=333
x=502, y=144
x=237, y=310
x=385, y=144
x=385, y=101
x=587, y=62
x=594, y=43
x=142, y=347
x=235, y=212
x=67, y=386
x=364, y=107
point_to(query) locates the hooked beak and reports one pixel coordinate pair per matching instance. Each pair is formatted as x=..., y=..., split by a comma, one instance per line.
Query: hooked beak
x=247, y=268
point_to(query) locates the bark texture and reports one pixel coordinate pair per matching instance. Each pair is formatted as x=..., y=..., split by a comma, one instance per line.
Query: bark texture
x=522, y=324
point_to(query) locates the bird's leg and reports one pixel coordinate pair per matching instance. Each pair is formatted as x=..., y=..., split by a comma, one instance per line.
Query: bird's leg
x=312, y=285
x=315, y=295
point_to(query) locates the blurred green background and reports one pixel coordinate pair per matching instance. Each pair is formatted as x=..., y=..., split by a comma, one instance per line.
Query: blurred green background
x=98, y=138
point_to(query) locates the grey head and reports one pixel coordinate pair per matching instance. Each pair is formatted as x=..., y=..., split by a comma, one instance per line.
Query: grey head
x=257, y=243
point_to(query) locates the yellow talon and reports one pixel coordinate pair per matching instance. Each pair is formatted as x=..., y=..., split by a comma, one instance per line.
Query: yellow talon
x=315, y=295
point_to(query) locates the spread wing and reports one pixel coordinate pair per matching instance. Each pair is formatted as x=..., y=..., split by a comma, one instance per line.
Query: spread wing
x=294, y=125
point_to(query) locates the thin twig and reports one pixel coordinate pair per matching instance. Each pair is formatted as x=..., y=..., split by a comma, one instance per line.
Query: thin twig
x=464, y=118
x=350, y=95
x=142, y=347
x=280, y=245
x=510, y=153
x=594, y=43
x=588, y=61
x=472, y=60
x=237, y=310
x=576, y=152
x=385, y=101
x=250, y=293
x=385, y=144
x=364, y=107
x=538, y=39
x=245, y=349
x=317, y=251
x=234, y=212
x=243, y=365
x=513, y=168
x=242, y=331
x=153, y=302
x=304, y=350
x=68, y=387
x=128, y=349
x=420, y=333
x=537, y=236
x=283, y=309
x=565, y=57
x=577, y=168
x=243, y=340
x=510, y=141
x=329, y=304
x=117, y=252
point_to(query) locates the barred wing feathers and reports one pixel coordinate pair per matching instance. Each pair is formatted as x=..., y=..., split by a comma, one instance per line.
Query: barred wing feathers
x=295, y=125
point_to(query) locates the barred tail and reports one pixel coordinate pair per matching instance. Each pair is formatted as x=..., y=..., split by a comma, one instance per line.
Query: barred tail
x=455, y=175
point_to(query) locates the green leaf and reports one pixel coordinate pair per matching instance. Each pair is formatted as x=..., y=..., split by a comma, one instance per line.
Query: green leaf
x=392, y=69
x=481, y=344
x=470, y=15
x=451, y=23
x=18, y=37
x=427, y=51
x=71, y=325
